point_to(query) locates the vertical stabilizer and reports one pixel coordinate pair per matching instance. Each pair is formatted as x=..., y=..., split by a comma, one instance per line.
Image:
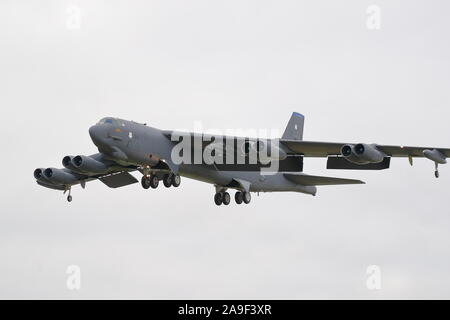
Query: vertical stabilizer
x=294, y=129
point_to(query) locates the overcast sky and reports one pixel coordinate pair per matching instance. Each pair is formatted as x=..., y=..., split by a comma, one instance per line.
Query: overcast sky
x=232, y=64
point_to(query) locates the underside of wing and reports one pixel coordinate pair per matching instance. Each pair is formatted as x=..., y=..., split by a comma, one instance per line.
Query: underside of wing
x=118, y=180
x=308, y=180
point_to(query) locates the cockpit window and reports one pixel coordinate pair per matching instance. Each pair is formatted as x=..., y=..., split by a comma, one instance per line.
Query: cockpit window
x=108, y=120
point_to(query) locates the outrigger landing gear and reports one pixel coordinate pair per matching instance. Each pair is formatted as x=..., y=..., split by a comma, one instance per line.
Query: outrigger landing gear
x=436, y=172
x=69, y=196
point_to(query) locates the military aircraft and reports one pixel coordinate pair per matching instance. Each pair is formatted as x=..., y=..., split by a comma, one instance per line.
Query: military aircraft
x=227, y=162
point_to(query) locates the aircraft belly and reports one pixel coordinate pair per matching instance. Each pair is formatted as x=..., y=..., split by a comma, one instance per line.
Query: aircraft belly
x=258, y=183
x=204, y=173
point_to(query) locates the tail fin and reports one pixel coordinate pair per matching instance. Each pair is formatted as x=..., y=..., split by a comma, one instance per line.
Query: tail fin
x=294, y=128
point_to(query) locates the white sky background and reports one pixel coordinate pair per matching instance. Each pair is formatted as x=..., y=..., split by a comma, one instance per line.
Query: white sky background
x=230, y=64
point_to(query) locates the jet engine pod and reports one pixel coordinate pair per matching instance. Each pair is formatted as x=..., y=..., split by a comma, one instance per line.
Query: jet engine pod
x=67, y=163
x=89, y=165
x=369, y=153
x=39, y=174
x=348, y=152
x=58, y=176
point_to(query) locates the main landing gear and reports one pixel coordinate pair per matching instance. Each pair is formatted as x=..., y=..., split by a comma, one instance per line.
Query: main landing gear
x=152, y=180
x=223, y=197
x=171, y=179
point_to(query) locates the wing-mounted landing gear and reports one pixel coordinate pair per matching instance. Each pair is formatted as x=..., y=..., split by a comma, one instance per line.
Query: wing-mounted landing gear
x=69, y=196
x=436, y=170
x=436, y=156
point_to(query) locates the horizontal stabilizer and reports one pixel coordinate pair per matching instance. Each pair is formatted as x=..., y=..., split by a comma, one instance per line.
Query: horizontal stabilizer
x=307, y=180
x=118, y=180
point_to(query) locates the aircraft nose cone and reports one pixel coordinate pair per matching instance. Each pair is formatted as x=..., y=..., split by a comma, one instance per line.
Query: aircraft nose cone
x=95, y=133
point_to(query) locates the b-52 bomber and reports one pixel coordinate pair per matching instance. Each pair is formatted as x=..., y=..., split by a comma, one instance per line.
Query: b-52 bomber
x=228, y=162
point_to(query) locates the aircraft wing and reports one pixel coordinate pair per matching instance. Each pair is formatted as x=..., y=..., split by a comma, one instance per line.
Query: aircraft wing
x=308, y=180
x=325, y=149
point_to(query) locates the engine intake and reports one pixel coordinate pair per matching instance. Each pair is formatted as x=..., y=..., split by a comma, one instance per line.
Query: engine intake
x=39, y=174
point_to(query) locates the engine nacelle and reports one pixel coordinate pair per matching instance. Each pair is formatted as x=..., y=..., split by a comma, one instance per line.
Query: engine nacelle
x=39, y=174
x=362, y=153
x=67, y=163
x=58, y=176
x=89, y=165
x=369, y=153
x=348, y=152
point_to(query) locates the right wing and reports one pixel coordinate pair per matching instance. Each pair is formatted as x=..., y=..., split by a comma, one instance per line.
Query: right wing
x=325, y=149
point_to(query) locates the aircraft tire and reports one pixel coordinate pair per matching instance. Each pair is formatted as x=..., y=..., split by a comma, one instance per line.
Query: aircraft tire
x=218, y=198
x=238, y=197
x=145, y=182
x=69, y=198
x=176, y=180
x=247, y=197
x=167, y=180
x=226, y=199
x=154, y=181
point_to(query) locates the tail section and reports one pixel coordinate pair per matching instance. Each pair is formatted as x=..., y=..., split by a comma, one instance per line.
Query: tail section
x=294, y=128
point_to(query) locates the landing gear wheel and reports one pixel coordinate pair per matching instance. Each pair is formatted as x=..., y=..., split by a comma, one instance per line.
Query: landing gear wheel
x=176, y=180
x=238, y=197
x=436, y=174
x=69, y=198
x=247, y=197
x=154, y=181
x=226, y=199
x=218, y=198
x=145, y=182
x=167, y=180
